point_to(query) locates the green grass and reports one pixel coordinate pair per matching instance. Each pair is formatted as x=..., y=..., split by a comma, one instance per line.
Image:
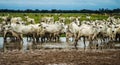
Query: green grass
x=38, y=16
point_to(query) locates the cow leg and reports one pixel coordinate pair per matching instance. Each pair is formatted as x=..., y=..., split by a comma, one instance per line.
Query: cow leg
x=76, y=44
x=37, y=39
x=84, y=43
x=5, y=36
x=33, y=37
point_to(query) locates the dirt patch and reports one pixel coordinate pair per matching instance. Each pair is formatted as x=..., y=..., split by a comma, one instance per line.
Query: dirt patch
x=61, y=57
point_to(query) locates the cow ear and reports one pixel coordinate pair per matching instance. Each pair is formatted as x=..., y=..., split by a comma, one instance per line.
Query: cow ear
x=44, y=27
x=17, y=23
x=109, y=26
x=9, y=26
x=40, y=25
x=79, y=25
x=116, y=26
x=94, y=27
x=88, y=23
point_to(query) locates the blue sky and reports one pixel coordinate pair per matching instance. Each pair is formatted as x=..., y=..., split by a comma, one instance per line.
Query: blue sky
x=59, y=4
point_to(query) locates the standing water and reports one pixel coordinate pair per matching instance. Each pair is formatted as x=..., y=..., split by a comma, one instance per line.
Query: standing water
x=50, y=45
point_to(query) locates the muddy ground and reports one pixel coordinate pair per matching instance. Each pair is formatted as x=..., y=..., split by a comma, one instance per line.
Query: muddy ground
x=61, y=57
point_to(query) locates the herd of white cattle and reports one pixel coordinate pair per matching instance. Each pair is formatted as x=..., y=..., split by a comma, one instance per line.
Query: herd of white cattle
x=50, y=30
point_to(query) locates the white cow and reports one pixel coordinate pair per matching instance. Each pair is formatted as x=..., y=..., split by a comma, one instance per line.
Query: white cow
x=30, y=20
x=88, y=17
x=48, y=20
x=4, y=17
x=62, y=19
x=16, y=19
x=53, y=29
x=89, y=31
x=72, y=29
x=6, y=29
x=25, y=29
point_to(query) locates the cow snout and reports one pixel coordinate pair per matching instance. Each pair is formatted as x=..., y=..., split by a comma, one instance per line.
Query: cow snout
x=113, y=31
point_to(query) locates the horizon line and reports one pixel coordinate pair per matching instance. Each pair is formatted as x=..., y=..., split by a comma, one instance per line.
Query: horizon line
x=59, y=9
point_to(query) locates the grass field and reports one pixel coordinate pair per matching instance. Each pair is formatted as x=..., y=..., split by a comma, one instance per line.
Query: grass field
x=38, y=16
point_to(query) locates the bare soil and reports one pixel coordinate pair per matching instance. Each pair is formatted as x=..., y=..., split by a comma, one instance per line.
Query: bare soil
x=61, y=57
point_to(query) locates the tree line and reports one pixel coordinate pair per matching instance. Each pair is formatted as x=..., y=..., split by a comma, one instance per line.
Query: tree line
x=102, y=10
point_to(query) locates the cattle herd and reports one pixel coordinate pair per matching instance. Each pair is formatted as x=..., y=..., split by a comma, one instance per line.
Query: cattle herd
x=48, y=29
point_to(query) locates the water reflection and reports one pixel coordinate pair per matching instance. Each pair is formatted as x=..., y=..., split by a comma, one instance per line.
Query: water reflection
x=12, y=45
x=30, y=45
